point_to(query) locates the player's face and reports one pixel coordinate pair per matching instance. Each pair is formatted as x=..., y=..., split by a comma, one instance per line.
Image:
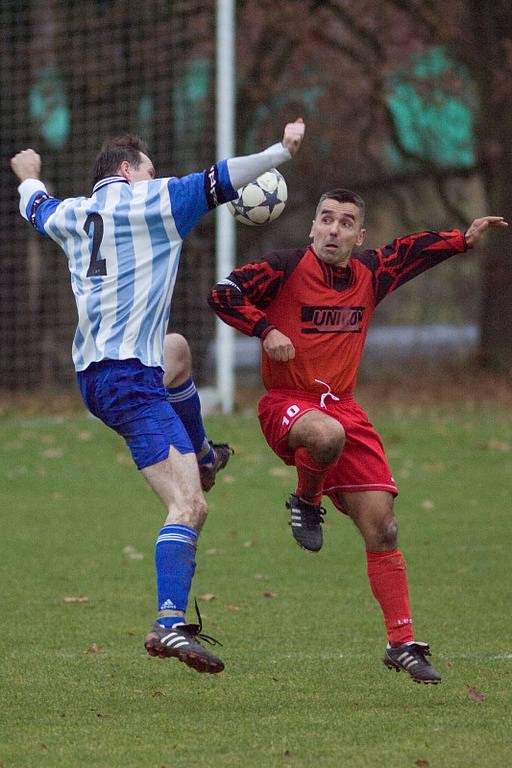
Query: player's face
x=337, y=229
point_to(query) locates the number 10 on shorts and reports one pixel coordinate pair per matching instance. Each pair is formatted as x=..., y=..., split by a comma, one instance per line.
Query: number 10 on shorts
x=291, y=412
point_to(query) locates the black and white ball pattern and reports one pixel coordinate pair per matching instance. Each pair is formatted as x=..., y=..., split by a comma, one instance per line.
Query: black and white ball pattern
x=260, y=201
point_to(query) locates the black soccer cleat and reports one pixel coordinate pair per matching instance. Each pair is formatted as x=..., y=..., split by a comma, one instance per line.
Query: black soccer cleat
x=208, y=472
x=411, y=658
x=306, y=520
x=182, y=642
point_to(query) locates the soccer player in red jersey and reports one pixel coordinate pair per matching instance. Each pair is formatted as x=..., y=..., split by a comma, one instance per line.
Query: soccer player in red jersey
x=311, y=308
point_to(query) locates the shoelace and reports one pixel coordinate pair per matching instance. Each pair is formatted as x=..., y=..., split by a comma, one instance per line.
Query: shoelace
x=314, y=516
x=199, y=625
x=422, y=651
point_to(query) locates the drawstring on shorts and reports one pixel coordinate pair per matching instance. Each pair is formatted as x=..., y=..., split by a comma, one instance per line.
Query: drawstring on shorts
x=325, y=394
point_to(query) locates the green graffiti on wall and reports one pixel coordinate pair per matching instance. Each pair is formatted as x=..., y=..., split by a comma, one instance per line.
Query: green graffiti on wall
x=433, y=119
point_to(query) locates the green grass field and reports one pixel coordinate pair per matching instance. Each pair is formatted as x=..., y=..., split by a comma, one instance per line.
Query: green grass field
x=303, y=638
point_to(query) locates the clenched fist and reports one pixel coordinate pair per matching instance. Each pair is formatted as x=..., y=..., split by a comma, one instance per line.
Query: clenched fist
x=26, y=164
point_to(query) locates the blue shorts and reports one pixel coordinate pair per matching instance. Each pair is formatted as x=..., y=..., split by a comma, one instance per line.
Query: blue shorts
x=131, y=398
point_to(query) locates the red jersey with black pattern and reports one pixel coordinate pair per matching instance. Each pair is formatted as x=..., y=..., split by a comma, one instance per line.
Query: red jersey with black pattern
x=325, y=310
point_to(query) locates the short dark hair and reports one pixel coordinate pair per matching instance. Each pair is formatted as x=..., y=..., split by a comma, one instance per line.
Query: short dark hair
x=343, y=196
x=114, y=151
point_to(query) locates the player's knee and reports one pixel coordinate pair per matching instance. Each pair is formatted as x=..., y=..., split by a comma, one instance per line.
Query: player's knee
x=388, y=533
x=329, y=442
x=177, y=360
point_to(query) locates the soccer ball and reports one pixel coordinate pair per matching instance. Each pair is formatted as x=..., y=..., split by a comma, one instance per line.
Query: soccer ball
x=260, y=201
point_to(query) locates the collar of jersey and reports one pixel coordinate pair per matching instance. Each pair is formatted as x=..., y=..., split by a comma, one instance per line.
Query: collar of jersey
x=109, y=180
x=336, y=268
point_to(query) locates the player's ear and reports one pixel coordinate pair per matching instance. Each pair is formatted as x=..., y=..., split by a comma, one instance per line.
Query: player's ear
x=361, y=237
x=125, y=170
x=311, y=233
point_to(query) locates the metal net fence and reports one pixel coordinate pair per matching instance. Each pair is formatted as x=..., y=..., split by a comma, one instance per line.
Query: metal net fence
x=72, y=74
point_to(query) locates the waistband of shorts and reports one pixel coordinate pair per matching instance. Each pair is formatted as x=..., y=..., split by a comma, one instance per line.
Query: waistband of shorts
x=314, y=397
x=123, y=363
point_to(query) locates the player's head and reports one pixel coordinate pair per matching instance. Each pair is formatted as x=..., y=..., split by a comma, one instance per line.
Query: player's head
x=338, y=226
x=123, y=156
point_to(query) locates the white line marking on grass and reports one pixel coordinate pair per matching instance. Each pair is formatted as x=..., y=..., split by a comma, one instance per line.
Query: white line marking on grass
x=350, y=656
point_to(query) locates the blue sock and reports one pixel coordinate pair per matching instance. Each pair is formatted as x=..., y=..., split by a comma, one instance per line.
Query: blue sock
x=175, y=562
x=185, y=401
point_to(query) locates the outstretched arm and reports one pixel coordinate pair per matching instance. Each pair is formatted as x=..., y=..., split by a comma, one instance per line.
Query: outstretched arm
x=242, y=170
x=194, y=195
x=479, y=226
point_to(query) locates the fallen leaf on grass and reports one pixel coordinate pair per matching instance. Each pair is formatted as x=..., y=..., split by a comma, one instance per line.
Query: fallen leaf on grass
x=103, y=714
x=250, y=543
x=207, y=597
x=53, y=453
x=427, y=504
x=18, y=471
x=422, y=763
x=280, y=472
x=157, y=694
x=496, y=445
x=476, y=695
x=270, y=594
x=132, y=554
x=76, y=599
x=261, y=577
x=94, y=649
x=233, y=608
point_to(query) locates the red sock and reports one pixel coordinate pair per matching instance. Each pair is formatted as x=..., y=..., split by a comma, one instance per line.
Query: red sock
x=388, y=580
x=311, y=476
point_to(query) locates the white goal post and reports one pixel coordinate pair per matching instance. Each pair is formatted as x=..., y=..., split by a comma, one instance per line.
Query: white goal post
x=225, y=240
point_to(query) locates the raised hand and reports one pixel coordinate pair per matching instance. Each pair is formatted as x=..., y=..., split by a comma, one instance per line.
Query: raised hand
x=479, y=226
x=293, y=135
x=26, y=164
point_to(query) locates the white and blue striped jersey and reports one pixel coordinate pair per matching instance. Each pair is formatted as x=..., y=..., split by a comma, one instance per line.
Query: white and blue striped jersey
x=123, y=246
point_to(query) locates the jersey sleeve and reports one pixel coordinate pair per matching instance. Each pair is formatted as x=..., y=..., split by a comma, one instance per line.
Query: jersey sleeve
x=407, y=257
x=194, y=195
x=240, y=299
x=36, y=205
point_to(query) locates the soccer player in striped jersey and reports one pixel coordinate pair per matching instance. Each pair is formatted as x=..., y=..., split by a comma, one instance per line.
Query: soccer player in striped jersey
x=123, y=244
x=311, y=308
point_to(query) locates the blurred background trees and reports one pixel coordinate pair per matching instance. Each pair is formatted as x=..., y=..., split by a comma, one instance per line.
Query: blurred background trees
x=406, y=101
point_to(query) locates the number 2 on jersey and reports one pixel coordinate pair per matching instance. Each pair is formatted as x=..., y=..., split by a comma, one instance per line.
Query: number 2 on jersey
x=97, y=267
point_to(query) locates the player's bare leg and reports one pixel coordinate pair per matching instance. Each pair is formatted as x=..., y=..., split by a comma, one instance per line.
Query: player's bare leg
x=211, y=457
x=373, y=514
x=176, y=482
x=317, y=441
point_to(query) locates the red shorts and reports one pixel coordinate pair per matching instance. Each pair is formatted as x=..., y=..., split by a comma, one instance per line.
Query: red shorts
x=362, y=465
